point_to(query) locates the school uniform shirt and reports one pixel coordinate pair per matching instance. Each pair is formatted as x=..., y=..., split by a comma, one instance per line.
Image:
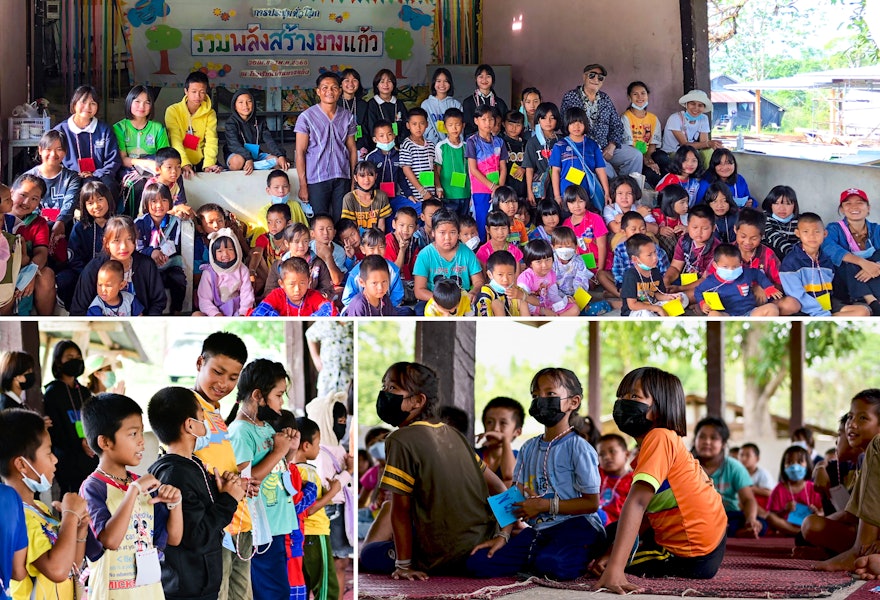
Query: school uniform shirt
x=469, y=106
x=419, y=158
x=388, y=171
x=146, y=284
x=112, y=573
x=464, y=265
x=805, y=279
x=202, y=124
x=690, y=184
x=13, y=536
x=690, y=126
x=327, y=157
x=358, y=109
x=436, y=108
x=128, y=306
x=622, y=262
x=394, y=111
x=488, y=155
x=591, y=227
x=97, y=141
x=613, y=494
x=463, y=309
x=696, y=260
x=434, y=482
x=779, y=236
x=140, y=143
x=367, y=216
x=486, y=250
x=640, y=129
x=641, y=286
x=567, y=468
x=392, y=249
x=739, y=189
x=737, y=295
x=395, y=289
x=782, y=495
x=359, y=306
x=584, y=155
x=85, y=243
x=62, y=192
x=276, y=304
x=686, y=514
x=42, y=534
x=452, y=161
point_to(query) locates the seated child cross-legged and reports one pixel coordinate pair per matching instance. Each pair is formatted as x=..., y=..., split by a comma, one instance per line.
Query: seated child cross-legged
x=293, y=297
x=685, y=533
x=572, y=272
x=538, y=281
x=372, y=300
x=693, y=252
x=793, y=498
x=731, y=286
x=501, y=297
x=114, y=299
x=643, y=291
x=558, y=473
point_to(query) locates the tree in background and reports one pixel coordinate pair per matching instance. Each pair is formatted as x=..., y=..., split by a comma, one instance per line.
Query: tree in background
x=398, y=47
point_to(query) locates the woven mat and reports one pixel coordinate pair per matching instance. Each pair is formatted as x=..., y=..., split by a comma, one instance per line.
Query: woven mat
x=376, y=587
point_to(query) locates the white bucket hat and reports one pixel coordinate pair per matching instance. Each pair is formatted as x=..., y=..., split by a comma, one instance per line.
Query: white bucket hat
x=695, y=96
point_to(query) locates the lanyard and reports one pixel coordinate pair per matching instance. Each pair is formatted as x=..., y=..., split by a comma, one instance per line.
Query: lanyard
x=204, y=476
x=613, y=489
x=79, y=149
x=516, y=477
x=577, y=152
x=70, y=396
x=650, y=299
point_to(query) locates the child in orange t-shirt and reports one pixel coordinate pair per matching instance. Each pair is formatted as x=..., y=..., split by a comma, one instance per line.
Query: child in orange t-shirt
x=506, y=200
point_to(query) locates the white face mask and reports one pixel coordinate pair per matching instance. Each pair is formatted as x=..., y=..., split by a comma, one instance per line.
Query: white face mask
x=637, y=107
x=565, y=254
x=473, y=243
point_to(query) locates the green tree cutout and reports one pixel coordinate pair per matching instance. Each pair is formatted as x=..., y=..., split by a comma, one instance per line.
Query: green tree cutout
x=398, y=46
x=163, y=38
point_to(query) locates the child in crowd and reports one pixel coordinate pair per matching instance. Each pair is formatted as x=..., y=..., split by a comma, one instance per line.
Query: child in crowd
x=578, y=160
x=225, y=287
x=694, y=252
x=807, y=274
x=424, y=235
x=641, y=129
x=515, y=143
x=141, y=273
x=446, y=257
x=722, y=169
x=501, y=297
x=366, y=205
x=391, y=179
x=451, y=165
x=642, y=289
x=193, y=568
x=91, y=150
x=448, y=300
x=615, y=473
x=566, y=532
x=732, y=288
x=317, y=554
x=536, y=158
x=417, y=157
x=684, y=170
x=258, y=447
x=671, y=216
x=372, y=300
x=762, y=482
x=323, y=230
x=86, y=237
x=62, y=189
x=548, y=216
x=294, y=297
x=373, y=242
x=503, y=420
x=484, y=95
x=538, y=281
x=385, y=106
x=626, y=193
x=248, y=144
x=158, y=236
x=793, y=498
x=12, y=255
x=498, y=234
x=685, y=536
x=55, y=542
x=524, y=215
x=296, y=239
x=168, y=173
x=348, y=236
x=192, y=127
x=588, y=226
x=211, y=219
x=487, y=163
x=113, y=298
x=129, y=515
x=571, y=272
x=352, y=100
x=278, y=192
x=781, y=208
x=718, y=198
x=138, y=135
x=504, y=199
x=24, y=220
x=400, y=245
x=730, y=478
x=467, y=232
x=690, y=126
x=632, y=224
x=269, y=247
x=436, y=105
x=530, y=99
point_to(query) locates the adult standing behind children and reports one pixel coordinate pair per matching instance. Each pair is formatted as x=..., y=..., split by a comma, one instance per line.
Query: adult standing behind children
x=605, y=127
x=192, y=127
x=325, y=149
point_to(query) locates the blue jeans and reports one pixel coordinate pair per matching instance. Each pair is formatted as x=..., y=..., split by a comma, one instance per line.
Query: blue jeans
x=266, y=565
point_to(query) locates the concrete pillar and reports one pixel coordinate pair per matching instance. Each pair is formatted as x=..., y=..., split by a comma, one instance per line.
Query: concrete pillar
x=449, y=347
x=594, y=383
x=797, y=349
x=715, y=369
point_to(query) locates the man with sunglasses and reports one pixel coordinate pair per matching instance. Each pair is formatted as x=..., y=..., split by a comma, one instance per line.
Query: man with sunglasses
x=605, y=127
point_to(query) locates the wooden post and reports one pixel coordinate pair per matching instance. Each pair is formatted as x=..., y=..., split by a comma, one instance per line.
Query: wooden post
x=450, y=349
x=24, y=336
x=694, y=16
x=715, y=369
x=758, y=111
x=298, y=362
x=797, y=349
x=594, y=384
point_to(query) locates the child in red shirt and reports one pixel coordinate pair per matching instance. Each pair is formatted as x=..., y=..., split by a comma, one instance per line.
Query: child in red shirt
x=616, y=475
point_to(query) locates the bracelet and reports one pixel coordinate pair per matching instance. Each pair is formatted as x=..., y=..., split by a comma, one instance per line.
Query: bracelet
x=554, y=506
x=138, y=486
x=403, y=564
x=82, y=541
x=74, y=513
x=172, y=505
x=503, y=534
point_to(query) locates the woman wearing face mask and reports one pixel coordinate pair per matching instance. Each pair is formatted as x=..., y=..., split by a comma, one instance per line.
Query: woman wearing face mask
x=438, y=510
x=641, y=129
x=101, y=376
x=63, y=399
x=16, y=376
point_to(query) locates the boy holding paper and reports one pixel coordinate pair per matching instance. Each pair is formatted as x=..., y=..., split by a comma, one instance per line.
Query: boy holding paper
x=417, y=157
x=577, y=159
x=728, y=291
x=643, y=291
x=555, y=490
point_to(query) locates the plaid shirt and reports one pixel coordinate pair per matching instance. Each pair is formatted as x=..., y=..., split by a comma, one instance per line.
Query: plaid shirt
x=622, y=262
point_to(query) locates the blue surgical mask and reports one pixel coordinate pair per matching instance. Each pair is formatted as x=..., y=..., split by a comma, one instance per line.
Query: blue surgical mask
x=728, y=274
x=386, y=147
x=643, y=266
x=497, y=287
x=282, y=200
x=637, y=107
x=377, y=450
x=203, y=441
x=781, y=219
x=37, y=487
x=795, y=472
x=740, y=201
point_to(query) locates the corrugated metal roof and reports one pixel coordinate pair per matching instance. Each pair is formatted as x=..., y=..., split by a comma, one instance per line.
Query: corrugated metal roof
x=855, y=77
x=733, y=96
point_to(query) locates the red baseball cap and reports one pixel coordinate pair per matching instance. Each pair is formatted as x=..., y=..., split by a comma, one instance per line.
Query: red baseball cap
x=853, y=192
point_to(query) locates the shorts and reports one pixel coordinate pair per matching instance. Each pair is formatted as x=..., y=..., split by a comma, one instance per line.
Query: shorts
x=338, y=539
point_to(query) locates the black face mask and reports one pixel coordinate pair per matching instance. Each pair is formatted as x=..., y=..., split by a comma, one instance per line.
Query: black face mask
x=279, y=236
x=29, y=380
x=629, y=415
x=264, y=413
x=339, y=430
x=73, y=368
x=546, y=410
x=388, y=407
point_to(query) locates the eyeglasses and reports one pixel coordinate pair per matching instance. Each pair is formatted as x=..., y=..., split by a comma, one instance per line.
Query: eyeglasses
x=594, y=75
